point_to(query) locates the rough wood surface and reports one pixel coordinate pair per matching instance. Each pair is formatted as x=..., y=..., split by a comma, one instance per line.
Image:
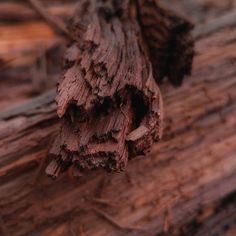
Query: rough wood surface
x=177, y=187
x=108, y=99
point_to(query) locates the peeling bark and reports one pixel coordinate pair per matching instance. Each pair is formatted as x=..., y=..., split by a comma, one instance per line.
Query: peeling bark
x=108, y=99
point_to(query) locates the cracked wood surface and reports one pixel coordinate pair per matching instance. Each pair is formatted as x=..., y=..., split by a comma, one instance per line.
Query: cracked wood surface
x=190, y=171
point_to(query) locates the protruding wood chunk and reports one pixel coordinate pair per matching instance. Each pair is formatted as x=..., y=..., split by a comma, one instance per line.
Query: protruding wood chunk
x=108, y=100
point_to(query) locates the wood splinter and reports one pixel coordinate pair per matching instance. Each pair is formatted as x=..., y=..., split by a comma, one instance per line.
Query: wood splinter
x=108, y=100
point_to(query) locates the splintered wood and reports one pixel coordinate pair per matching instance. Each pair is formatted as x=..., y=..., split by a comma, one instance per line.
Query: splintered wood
x=108, y=100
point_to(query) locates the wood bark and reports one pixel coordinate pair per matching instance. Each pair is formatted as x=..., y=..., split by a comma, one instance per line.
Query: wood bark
x=108, y=99
x=181, y=187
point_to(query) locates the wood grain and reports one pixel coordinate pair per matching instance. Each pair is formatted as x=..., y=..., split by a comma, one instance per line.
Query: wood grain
x=187, y=174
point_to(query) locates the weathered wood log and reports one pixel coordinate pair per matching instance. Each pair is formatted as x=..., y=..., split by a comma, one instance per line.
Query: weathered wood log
x=109, y=102
x=178, y=186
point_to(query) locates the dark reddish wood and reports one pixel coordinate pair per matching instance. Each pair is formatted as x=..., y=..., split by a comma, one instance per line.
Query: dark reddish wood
x=109, y=102
x=184, y=187
x=169, y=41
x=183, y=180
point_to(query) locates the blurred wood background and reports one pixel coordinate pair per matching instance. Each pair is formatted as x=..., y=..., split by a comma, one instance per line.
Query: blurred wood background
x=186, y=186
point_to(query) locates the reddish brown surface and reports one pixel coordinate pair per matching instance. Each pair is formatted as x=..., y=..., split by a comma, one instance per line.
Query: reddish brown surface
x=108, y=99
x=186, y=186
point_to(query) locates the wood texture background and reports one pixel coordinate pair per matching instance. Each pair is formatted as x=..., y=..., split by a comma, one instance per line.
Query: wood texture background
x=186, y=186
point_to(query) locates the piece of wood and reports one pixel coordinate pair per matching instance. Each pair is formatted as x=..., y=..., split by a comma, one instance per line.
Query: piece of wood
x=108, y=99
x=188, y=174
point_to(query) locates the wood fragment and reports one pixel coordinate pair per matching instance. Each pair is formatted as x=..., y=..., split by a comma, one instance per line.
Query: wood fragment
x=109, y=99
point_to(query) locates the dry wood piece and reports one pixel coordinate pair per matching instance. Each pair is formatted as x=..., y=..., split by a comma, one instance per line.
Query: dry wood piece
x=108, y=99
